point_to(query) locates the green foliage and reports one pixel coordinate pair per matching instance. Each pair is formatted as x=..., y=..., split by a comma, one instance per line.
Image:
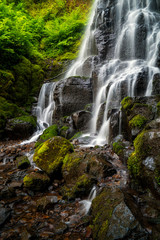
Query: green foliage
x=32, y=31
x=138, y=121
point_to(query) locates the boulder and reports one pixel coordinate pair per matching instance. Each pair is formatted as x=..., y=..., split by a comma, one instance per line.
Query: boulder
x=22, y=162
x=49, y=155
x=36, y=181
x=20, y=127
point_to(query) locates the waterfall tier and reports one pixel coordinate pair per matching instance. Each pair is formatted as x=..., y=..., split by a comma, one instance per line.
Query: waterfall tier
x=121, y=51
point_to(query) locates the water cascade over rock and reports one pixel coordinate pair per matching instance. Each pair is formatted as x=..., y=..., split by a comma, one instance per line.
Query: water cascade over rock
x=120, y=52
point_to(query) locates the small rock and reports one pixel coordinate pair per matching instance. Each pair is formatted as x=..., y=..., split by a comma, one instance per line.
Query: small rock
x=4, y=214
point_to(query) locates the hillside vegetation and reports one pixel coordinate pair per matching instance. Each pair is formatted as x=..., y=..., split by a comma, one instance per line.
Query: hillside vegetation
x=36, y=35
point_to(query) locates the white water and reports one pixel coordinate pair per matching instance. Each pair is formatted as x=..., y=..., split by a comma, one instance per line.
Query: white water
x=137, y=30
x=44, y=110
x=87, y=48
x=86, y=204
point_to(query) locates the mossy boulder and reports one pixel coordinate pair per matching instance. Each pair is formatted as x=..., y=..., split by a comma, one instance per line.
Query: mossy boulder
x=127, y=103
x=93, y=164
x=80, y=188
x=49, y=155
x=20, y=127
x=36, y=181
x=50, y=132
x=144, y=163
x=7, y=110
x=23, y=162
x=102, y=210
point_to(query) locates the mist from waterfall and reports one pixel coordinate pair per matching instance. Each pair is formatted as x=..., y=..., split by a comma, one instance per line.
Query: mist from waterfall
x=136, y=27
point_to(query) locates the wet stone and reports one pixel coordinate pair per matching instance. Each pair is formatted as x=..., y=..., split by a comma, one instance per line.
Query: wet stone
x=60, y=228
x=121, y=223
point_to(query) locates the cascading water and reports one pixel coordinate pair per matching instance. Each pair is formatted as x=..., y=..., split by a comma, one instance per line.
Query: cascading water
x=130, y=61
x=44, y=110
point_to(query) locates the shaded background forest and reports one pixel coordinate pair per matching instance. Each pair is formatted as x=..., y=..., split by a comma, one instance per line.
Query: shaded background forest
x=37, y=39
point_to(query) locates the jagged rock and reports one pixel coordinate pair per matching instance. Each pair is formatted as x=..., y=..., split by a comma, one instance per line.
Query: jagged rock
x=20, y=128
x=67, y=103
x=49, y=156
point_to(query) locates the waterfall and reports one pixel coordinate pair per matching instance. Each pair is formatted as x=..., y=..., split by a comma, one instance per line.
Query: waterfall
x=125, y=36
x=44, y=110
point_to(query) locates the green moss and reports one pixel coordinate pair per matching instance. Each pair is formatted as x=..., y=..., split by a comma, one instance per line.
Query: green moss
x=22, y=162
x=134, y=165
x=118, y=148
x=77, y=135
x=63, y=131
x=49, y=155
x=6, y=83
x=127, y=103
x=28, y=119
x=71, y=162
x=36, y=181
x=142, y=149
x=137, y=121
x=81, y=188
x=102, y=209
x=158, y=108
x=50, y=132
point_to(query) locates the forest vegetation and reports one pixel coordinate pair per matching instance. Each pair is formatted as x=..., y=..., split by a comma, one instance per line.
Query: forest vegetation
x=35, y=36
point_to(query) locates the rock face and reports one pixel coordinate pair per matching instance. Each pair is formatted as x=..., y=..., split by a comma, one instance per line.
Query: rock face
x=49, y=155
x=71, y=95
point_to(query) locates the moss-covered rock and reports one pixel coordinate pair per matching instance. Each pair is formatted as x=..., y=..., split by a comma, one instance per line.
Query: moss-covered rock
x=118, y=148
x=63, y=131
x=138, y=121
x=8, y=111
x=20, y=127
x=127, y=103
x=81, y=187
x=49, y=155
x=102, y=209
x=36, y=181
x=50, y=132
x=22, y=162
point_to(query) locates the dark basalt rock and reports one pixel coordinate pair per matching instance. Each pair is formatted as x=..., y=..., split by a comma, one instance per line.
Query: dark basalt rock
x=81, y=120
x=72, y=95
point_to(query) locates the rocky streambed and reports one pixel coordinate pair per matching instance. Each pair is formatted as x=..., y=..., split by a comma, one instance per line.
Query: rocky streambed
x=55, y=210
